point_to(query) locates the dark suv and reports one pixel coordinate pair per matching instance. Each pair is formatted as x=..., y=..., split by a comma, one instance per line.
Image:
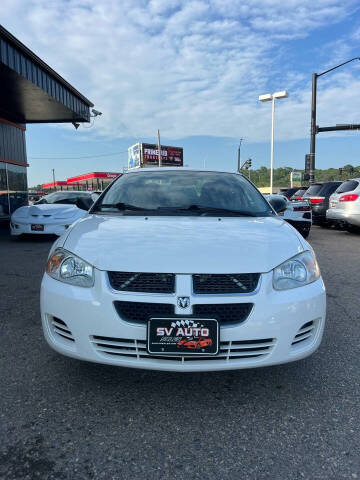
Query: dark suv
x=318, y=194
x=290, y=191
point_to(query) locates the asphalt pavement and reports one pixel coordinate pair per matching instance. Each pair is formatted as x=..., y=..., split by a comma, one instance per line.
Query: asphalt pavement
x=65, y=419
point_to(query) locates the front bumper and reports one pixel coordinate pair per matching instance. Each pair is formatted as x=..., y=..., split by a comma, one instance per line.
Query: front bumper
x=319, y=214
x=343, y=216
x=21, y=228
x=91, y=329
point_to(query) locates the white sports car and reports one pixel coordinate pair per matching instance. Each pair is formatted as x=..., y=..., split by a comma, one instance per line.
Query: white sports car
x=297, y=213
x=183, y=270
x=53, y=214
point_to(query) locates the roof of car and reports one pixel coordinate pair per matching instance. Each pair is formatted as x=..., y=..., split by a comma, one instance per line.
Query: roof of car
x=325, y=182
x=180, y=169
x=71, y=191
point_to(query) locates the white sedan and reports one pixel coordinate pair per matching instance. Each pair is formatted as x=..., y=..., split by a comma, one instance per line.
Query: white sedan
x=183, y=270
x=297, y=213
x=53, y=214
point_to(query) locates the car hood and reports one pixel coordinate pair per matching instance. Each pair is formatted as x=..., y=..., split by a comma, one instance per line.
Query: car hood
x=53, y=210
x=183, y=244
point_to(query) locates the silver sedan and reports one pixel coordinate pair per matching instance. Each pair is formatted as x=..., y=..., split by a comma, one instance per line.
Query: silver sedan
x=344, y=207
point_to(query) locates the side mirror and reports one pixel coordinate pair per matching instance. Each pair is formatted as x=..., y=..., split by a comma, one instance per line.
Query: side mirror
x=278, y=204
x=83, y=203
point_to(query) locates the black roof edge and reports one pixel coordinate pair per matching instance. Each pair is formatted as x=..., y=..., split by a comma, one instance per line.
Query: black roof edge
x=27, y=52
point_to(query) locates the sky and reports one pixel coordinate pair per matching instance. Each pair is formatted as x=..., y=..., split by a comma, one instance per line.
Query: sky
x=194, y=69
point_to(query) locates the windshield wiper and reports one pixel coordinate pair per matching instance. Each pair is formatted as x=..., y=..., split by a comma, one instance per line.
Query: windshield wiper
x=206, y=209
x=119, y=206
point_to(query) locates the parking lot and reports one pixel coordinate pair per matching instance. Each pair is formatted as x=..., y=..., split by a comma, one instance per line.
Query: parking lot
x=64, y=419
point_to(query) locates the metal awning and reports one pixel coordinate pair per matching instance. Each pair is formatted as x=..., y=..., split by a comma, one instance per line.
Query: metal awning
x=31, y=91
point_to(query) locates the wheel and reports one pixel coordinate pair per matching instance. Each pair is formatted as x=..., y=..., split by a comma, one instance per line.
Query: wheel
x=352, y=229
x=305, y=232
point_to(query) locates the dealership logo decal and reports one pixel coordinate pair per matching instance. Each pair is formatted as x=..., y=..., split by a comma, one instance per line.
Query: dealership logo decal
x=183, y=329
x=183, y=302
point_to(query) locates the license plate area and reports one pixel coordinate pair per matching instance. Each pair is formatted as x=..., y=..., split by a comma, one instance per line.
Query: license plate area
x=183, y=336
x=37, y=227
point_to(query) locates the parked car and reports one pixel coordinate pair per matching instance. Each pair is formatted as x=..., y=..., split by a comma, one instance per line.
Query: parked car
x=166, y=254
x=291, y=191
x=52, y=214
x=298, y=195
x=298, y=214
x=195, y=343
x=318, y=194
x=344, y=205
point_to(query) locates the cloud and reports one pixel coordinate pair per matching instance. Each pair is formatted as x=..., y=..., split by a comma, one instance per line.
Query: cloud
x=191, y=67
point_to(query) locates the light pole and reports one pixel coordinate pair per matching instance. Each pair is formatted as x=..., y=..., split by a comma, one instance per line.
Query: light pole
x=314, y=129
x=239, y=159
x=267, y=98
x=53, y=173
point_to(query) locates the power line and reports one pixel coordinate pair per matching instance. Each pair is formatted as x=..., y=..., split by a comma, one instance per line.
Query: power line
x=76, y=158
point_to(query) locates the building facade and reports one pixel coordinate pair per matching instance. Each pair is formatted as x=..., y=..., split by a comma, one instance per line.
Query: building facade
x=13, y=164
x=30, y=92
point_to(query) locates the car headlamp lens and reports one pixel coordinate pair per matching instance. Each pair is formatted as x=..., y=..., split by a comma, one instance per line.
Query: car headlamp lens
x=68, y=268
x=296, y=272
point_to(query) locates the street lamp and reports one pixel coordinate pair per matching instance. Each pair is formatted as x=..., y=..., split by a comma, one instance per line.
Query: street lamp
x=314, y=129
x=267, y=98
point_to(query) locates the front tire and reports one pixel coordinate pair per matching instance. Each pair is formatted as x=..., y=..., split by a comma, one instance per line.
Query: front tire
x=305, y=232
x=352, y=229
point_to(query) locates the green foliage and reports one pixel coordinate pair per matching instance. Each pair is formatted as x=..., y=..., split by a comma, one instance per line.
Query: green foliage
x=261, y=176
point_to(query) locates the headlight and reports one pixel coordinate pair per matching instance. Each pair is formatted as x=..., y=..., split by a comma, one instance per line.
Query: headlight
x=68, y=268
x=296, y=272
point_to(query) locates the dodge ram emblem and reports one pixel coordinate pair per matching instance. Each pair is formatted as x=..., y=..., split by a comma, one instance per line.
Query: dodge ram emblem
x=183, y=302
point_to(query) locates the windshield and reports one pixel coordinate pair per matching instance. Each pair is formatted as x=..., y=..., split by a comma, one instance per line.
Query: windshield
x=67, y=198
x=313, y=190
x=300, y=192
x=347, y=186
x=182, y=193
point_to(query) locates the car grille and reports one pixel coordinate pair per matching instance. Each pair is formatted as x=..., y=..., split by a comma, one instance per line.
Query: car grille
x=140, y=312
x=304, y=334
x=61, y=329
x=222, y=284
x=136, y=349
x=225, y=313
x=142, y=282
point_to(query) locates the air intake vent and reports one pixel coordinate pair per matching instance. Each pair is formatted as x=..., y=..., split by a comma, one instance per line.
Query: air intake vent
x=140, y=312
x=226, y=313
x=61, y=329
x=304, y=333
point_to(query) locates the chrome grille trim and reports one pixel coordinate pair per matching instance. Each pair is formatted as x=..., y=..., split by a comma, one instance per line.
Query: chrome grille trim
x=136, y=349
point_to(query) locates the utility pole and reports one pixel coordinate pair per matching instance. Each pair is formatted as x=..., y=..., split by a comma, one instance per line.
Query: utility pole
x=239, y=160
x=159, y=148
x=53, y=173
x=314, y=129
x=272, y=144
